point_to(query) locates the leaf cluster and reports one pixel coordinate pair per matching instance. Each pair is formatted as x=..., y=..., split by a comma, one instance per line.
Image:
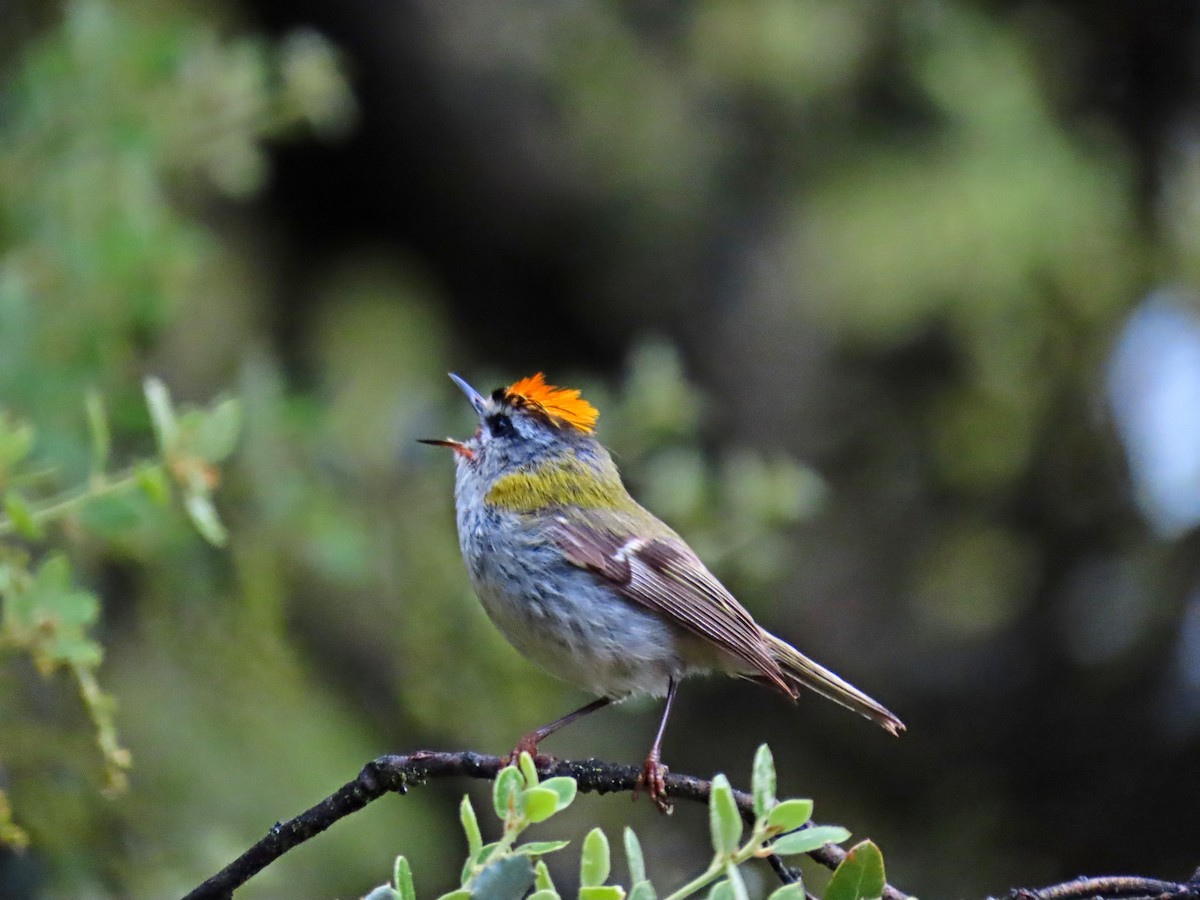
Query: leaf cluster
x=507, y=870
x=45, y=613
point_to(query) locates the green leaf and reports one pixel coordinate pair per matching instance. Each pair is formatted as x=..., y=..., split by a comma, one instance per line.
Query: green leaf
x=541, y=877
x=788, y=892
x=506, y=792
x=508, y=878
x=724, y=820
x=402, y=876
x=540, y=848
x=16, y=507
x=470, y=824
x=528, y=769
x=634, y=858
x=808, y=839
x=564, y=786
x=456, y=895
x=484, y=852
x=12, y=836
x=594, y=864
x=162, y=415
x=602, y=892
x=468, y=868
x=74, y=610
x=152, y=479
x=204, y=516
x=16, y=441
x=54, y=617
x=538, y=804
x=722, y=890
x=217, y=431
x=762, y=781
x=54, y=575
x=109, y=515
x=790, y=814
x=546, y=894
x=860, y=876
x=735, y=882
x=475, y=860
x=98, y=429
x=75, y=650
x=642, y=890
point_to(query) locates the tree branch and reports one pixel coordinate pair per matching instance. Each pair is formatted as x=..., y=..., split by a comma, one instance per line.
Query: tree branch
x=396, y=774
x=1114, y=887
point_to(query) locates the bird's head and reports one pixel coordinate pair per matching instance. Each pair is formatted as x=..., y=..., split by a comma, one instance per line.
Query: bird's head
x=522, y=423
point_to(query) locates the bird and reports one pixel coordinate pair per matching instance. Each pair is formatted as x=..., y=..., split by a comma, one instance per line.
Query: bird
x=592, y=587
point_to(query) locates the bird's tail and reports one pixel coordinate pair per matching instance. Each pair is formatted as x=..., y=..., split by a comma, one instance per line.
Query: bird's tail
x=801, y=670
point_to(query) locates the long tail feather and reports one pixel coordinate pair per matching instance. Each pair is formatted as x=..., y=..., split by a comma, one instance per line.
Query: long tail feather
x=803, y=671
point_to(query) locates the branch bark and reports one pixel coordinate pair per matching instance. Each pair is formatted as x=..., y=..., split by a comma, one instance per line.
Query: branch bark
x=1114, y=887
x=396, y=774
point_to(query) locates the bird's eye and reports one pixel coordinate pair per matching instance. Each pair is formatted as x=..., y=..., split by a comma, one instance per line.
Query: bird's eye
x=500, y=426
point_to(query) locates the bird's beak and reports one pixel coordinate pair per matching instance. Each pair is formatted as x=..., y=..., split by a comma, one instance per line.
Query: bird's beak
x=478, y=402
x=473, y=395
x=457, y=446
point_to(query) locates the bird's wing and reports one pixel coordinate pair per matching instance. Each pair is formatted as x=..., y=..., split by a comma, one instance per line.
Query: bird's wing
x=664, y=575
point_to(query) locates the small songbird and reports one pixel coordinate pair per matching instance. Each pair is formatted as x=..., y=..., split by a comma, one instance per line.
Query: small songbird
x=589, y=585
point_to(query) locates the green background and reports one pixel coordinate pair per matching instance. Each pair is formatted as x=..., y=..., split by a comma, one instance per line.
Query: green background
x=844, y=281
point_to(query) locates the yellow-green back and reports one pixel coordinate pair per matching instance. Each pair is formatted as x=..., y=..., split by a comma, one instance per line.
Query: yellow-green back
x=562, y=480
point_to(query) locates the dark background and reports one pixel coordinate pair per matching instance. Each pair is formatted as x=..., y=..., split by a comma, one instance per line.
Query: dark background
x=889, y=308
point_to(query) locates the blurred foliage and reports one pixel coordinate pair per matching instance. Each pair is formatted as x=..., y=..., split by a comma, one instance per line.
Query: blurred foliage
x=47, y=616
x=134, y=114
x=892, y=240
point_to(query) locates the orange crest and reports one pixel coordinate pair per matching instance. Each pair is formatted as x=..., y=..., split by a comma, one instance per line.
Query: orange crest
x=561, y=405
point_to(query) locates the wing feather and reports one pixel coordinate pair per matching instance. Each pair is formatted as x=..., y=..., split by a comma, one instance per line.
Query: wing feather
x=664, y=575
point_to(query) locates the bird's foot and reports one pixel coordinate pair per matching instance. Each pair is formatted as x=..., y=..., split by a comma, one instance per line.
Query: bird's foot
x=654, y=778
x=527, y=744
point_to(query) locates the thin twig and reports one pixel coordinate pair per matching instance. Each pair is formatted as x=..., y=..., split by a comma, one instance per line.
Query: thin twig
x=1113, y=887
x=396, y=774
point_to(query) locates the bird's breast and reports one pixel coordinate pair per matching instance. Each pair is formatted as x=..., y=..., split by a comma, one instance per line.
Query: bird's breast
x=562, y=617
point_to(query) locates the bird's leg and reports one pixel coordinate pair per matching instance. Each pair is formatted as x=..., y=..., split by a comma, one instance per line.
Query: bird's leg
x=654, y=773
x=529, y=743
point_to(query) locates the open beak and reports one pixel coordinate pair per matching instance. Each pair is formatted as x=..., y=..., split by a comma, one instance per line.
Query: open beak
x=473, y=395
x=478, y=402
x=457, y=446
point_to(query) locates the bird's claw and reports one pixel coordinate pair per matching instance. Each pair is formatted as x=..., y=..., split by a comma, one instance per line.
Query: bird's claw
x=527, y=744
x=654, y=778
